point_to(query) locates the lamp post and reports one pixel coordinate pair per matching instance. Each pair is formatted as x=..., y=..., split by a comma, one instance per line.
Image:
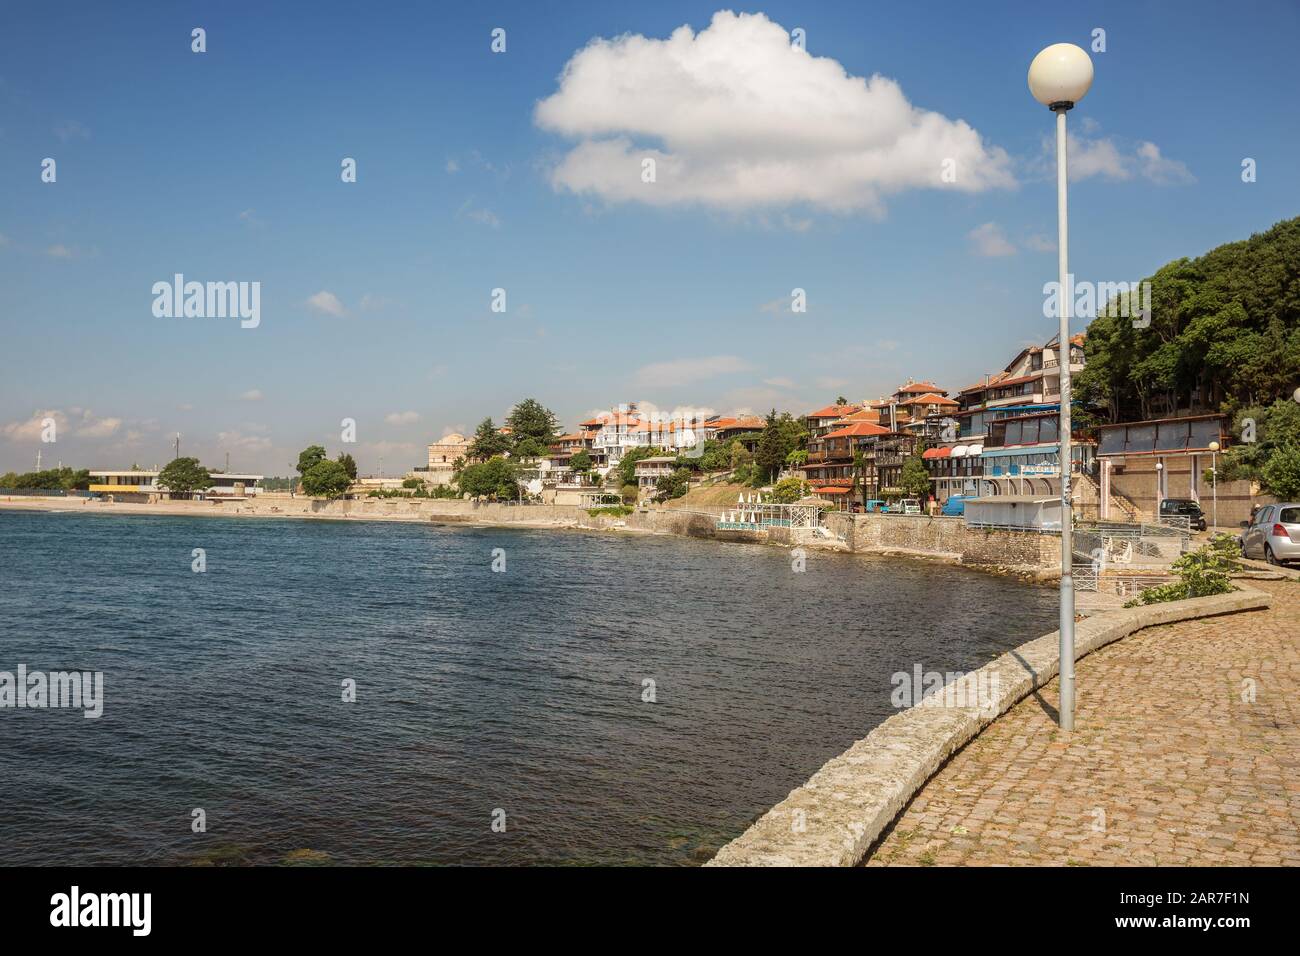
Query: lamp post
x=1214, y=481
x=1058, y=78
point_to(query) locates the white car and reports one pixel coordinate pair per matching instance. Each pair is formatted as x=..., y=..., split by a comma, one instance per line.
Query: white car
x=1274, y=535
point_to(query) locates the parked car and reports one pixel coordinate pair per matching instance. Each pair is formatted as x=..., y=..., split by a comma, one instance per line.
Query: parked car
x=874, y=504
x=1274, y=534
x=955, y=506
x=1184, y=507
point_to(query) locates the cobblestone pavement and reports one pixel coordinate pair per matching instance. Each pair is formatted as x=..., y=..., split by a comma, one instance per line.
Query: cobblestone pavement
x=1168, y=763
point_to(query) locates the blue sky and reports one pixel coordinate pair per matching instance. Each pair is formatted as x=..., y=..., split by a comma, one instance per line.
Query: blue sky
x=225, y=166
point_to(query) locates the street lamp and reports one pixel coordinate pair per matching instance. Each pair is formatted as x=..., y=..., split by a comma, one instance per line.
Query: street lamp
x=1058, y=78
x=1214, y=481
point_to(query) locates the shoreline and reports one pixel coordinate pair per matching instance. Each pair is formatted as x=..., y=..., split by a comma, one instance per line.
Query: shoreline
x=457, y=512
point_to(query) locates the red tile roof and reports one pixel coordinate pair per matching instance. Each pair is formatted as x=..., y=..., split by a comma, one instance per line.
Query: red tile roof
x=918, y=388
x=857, y=430
x=834, y=411
x=931, y=399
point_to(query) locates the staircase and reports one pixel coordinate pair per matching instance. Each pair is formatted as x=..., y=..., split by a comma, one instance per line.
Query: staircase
x=1121, y=508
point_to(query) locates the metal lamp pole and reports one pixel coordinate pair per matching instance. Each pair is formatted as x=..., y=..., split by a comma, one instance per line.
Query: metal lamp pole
x=1058, y=78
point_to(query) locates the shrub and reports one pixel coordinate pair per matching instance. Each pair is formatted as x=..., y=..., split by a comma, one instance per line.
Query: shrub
x=1201, y=573
x=614, y=511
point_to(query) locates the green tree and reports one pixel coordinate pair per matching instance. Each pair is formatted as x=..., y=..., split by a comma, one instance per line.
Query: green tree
x=914, y=479
x=310, y=456
x=533, y=428
x=184, y=476
x=1282, y=473
x=629, y=493
x=1223, y=332
x=770, y=454
x=789, y=490
x=496, y=478
x=580, y=462
x=326, y=479
x=9, y=480
x=673, y=485
x=349, y=465
x=488, y=442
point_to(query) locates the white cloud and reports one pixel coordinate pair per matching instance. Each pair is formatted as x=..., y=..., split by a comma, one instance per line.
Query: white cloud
x=70, y=130
x=60, y=251
x=484, y=216
x=76, y=421
x=1161, y=170
x=990, y=241
x=453, y=166
x=30, y=429
x=1102, y=156
x=402, y=418
x=327, y=302
x=779, y=382
x=98, y=427
x=1040, y=243
x=252, y=395
x=1095, y=157
x=686, y=370
x=736, y=118
x=237, y=441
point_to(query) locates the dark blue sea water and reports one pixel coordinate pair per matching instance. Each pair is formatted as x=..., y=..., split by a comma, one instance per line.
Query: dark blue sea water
x=476, y=691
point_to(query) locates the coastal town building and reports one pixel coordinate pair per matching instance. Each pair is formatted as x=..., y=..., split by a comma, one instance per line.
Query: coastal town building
x=138, y=481
x=648, y=471
x=1004, y=440
x=443, y=455
x=1146, y=462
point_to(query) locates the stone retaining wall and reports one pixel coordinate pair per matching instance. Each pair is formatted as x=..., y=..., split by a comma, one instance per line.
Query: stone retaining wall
x=836, y=817
x=945, y=537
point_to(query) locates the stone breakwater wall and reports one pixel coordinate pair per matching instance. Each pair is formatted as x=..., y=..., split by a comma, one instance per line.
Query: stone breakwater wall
x=836, y=817
x=947, y=538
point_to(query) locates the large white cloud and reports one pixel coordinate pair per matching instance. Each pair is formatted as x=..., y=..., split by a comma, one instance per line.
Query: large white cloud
x=737, y=118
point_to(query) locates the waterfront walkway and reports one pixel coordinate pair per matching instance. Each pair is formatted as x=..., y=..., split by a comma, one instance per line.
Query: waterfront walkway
x=1167, y=765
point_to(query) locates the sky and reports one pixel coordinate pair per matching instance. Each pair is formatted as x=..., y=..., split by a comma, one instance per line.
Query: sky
x=776, y=168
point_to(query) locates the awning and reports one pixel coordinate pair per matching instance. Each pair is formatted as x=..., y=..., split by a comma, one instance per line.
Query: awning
x=832, y=491
x=960, y=451
x=974, y=450
x=936, y=453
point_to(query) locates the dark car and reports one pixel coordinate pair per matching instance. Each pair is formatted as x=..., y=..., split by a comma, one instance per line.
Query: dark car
x=1184, y=507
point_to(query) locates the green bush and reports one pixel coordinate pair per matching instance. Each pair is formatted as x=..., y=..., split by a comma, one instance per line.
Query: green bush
x=614, y=511
x=1201, y=573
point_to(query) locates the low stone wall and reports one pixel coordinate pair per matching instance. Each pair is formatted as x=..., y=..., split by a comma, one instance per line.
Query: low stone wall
x=945, y=538
x=836, y=817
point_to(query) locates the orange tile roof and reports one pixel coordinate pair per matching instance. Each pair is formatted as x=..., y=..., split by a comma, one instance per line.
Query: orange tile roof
x=931, y=399
x=857, y=430
x=834, y=411
x=918, y=387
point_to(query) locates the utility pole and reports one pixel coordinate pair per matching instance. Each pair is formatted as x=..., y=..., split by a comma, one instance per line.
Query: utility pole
x=178, y=446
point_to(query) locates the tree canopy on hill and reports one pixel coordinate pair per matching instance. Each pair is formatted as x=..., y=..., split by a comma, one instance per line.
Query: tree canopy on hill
x=1224, y=333
x=532, y=428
